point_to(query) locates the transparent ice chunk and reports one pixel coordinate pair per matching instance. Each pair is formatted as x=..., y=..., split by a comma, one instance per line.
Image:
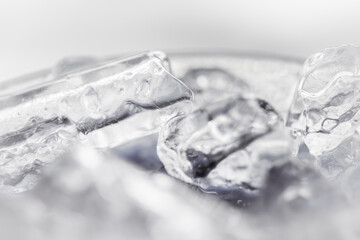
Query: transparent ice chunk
x=108, y=105
x=335, y=165
x=335, y=162
x=339, y=166
x=226, y=145
x=326, y=104
x=24, y=152
x=99, y=96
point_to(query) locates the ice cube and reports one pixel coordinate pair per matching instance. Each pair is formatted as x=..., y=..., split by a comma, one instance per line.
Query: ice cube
x=98, y=102
x=23, y=152
x=326, y=104
x=334, y=163
x=226, y=145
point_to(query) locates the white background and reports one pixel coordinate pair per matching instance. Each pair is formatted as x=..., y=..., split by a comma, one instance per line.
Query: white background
x=34, y=34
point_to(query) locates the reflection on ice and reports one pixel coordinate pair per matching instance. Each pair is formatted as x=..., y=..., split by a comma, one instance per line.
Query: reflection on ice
x=226, y=142
x=104, y=105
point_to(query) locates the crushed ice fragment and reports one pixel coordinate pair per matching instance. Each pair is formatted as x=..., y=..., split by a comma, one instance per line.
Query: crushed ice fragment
x=86, y=102
x=226, y=145
x=23, y=152
x=234, y=147
x=326, y=105
x=334, y=163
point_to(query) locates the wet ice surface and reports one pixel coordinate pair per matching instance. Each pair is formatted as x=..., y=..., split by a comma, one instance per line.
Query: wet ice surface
x=94, y=105
x=173, y=150
x=325, y=113
x=326, y=103
x=226, y=145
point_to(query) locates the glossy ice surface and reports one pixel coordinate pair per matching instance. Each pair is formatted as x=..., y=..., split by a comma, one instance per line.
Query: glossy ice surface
x=215, y=122
x=227, y=145
x=326, y=104
x=94, y=104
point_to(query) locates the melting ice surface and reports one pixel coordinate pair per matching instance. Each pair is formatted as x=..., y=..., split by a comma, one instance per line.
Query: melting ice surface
x=233, y=143
x=326, y=104
x=325, y=110
x=227, y=145
x=94, y=105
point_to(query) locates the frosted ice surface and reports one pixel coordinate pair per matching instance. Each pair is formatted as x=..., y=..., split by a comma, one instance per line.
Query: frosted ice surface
x=326, y=104
x=228, y=144
x=98, y=102
x=93, y=195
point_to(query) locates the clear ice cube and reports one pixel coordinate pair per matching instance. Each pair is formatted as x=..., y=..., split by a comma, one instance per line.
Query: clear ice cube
x=226, y=145
x=334, y=163
x=326, y=105
x=107, y=105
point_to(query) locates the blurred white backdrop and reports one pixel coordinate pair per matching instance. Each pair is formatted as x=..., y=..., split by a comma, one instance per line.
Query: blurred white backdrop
x=34, y=34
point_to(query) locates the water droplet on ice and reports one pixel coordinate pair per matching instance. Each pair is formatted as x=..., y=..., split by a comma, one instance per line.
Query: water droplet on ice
x=144, y=89
x=91, y=103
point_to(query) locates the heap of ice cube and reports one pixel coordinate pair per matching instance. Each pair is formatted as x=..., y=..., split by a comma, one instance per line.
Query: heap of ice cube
x=88, y=148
